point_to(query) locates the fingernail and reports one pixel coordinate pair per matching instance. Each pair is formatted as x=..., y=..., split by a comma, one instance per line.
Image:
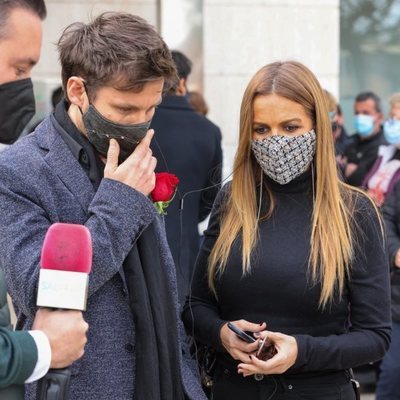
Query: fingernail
x=256, y=334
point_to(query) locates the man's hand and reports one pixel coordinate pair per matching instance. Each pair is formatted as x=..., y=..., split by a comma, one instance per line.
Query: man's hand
x=66, y=331
x=397, y=259
x=137, y=171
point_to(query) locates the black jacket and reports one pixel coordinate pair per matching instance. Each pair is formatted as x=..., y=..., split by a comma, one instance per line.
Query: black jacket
x=363, y=152
x=391, y=214
x=189, y=146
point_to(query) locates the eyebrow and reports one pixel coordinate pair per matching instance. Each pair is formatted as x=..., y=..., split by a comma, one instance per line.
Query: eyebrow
x=26, y=61
x=134, y=107
x=299, y=120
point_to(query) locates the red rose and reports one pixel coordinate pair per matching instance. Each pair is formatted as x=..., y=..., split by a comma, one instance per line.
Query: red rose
x=164, y=190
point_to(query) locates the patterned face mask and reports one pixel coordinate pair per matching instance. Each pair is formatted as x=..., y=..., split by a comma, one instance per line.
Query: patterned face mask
x=284, y=158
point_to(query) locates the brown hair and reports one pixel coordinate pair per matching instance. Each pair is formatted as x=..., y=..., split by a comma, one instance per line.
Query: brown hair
x=37, y=7
x=331, y=239
x=198, y=102
x=115, y=49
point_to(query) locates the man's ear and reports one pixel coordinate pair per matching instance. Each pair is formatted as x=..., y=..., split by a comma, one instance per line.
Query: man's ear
x=76, y=92
x=181, y=88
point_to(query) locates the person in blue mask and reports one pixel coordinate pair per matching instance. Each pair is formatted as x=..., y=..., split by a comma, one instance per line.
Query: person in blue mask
x=385, y=172
x=361, y=155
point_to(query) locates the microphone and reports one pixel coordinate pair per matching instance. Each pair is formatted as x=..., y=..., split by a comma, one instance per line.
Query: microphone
x=66, y=261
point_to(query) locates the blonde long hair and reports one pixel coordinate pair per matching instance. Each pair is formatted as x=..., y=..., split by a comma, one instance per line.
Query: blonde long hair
x=331, y=235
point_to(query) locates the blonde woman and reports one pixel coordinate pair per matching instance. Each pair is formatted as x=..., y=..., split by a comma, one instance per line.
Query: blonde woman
x=290, y=253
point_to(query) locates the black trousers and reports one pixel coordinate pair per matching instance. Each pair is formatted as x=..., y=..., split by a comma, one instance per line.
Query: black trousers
x=229, y=385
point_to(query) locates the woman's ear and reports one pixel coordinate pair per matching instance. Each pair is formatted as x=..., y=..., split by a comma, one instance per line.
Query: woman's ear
x=76, y=92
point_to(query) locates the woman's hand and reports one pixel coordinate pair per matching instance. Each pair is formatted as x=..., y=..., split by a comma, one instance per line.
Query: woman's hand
x=236, y=347
x=286, y=356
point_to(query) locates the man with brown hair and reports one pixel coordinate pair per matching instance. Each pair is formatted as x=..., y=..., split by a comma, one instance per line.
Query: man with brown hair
x=90, y=163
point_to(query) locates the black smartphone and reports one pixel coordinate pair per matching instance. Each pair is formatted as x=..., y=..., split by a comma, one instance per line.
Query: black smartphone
x=242, y=334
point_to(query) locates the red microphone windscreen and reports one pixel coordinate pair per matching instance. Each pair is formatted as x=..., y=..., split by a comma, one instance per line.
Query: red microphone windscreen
x=67, y=247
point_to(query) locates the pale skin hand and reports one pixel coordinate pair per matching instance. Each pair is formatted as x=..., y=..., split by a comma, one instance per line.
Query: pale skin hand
x=350, y=168
x=66, y=331
x=137, y=171
x=397, y=259
x=286, y=356
x=341, y=160
x=236, y=347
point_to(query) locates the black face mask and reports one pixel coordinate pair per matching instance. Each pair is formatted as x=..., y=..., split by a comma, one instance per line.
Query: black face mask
x=100, y=130
x=17, y=108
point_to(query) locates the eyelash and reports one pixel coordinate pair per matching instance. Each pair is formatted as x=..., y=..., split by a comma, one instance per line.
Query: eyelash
x=262, y=130
x=19, y=72
x=292, y=128
x=125, y=110
x=128, y=110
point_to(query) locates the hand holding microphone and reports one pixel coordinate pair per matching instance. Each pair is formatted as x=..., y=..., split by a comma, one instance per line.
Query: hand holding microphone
x=66, y=261
x=66, y=332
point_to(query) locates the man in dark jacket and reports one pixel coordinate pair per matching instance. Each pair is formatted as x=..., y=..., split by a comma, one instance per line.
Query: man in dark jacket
x=188, y=145
x=57, y=338
x=360, y=156
x=388, y=387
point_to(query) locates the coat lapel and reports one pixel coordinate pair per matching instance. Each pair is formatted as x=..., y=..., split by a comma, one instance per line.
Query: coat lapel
x=63, y=163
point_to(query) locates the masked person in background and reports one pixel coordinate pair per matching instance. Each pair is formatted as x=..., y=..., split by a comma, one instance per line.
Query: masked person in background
x=385, y=172
x=84, y=164
x=360, y=156
x=291, y=249
x=388, y=381
x=19, y=53
x=340, y=136
x=58, y=338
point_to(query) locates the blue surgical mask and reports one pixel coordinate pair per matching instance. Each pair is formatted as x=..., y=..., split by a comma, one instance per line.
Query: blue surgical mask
x=364, y=124
x=391, y=131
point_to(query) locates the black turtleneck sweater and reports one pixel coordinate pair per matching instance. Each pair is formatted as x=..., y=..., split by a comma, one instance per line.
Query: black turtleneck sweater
x=351, y=331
